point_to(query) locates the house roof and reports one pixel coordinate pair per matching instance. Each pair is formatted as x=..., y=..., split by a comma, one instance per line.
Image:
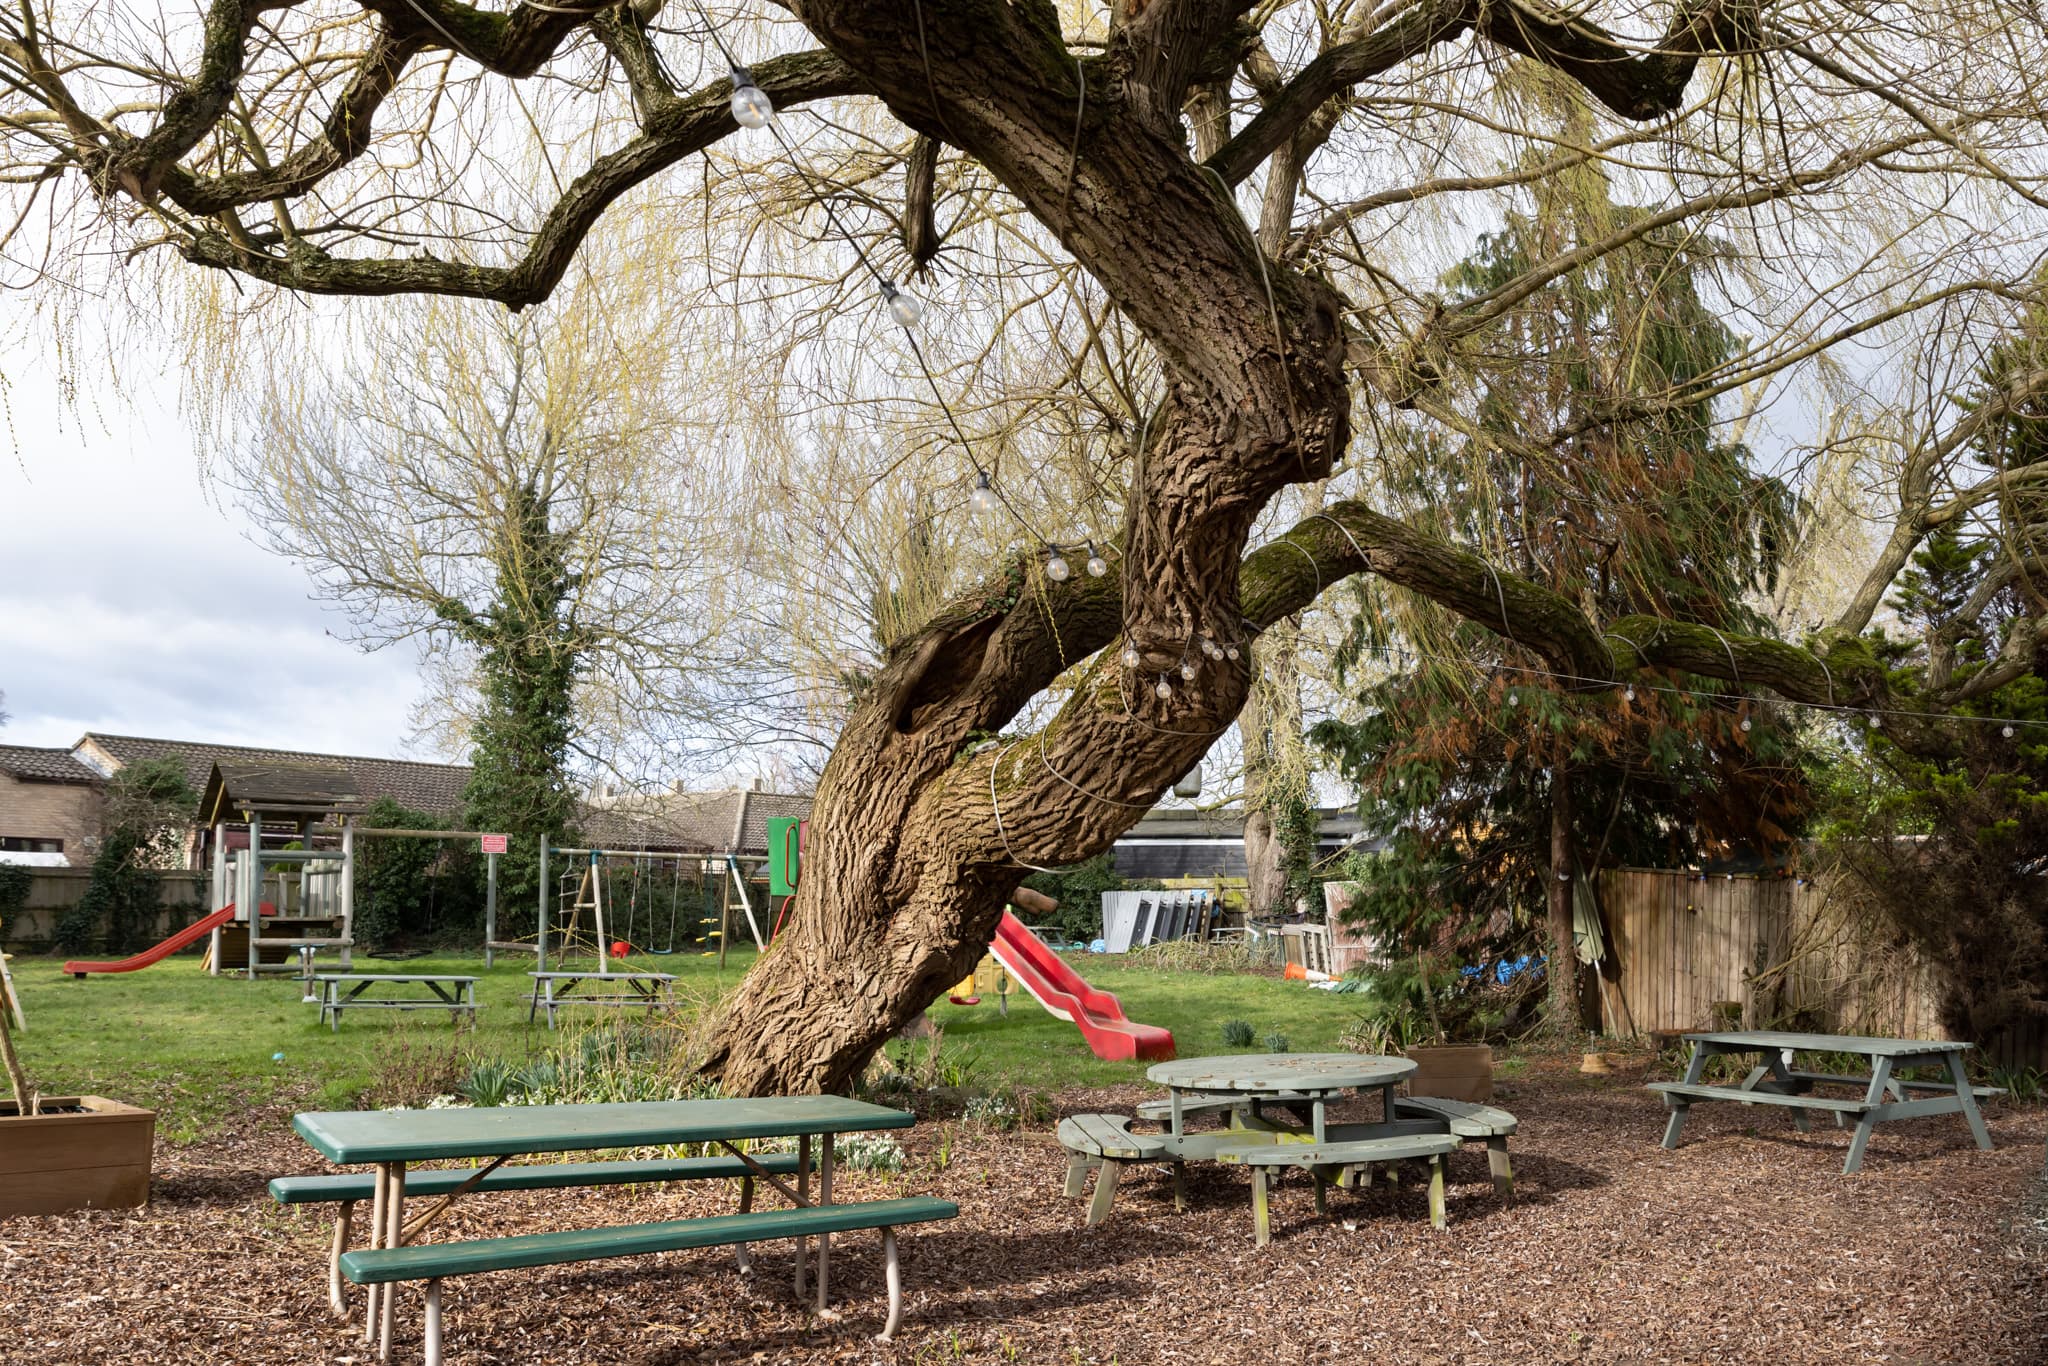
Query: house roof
x=433, y=788
x=697, y=822
x=1188, y=823
x=758, y=808
x=681, y=822
x=44, y=765
x=1184, y=843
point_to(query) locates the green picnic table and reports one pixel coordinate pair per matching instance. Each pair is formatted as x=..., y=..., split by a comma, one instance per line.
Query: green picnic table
x=390, y=1140
x=1777, y=1081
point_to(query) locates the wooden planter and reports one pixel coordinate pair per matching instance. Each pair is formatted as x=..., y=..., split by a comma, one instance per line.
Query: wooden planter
x=1453, y=1072
x=93, y=1153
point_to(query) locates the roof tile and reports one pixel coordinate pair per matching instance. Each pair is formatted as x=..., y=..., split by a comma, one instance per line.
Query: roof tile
x=44, y=765
x=435, y=789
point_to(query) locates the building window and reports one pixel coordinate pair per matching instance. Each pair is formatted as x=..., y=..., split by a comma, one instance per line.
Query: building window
x=22, y=844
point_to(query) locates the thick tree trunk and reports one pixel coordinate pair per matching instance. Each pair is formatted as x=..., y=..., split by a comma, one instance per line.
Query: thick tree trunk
x=917, y=831
x=1265, y=876
x=1276, y=780
x=917, y=834
x=1564, y=959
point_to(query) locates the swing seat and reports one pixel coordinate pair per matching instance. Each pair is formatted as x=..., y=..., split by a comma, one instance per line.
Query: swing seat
x=965, y=1000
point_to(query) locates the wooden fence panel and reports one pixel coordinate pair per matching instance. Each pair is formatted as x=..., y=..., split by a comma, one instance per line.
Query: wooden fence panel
x=1780, y=949
x=1789, y=951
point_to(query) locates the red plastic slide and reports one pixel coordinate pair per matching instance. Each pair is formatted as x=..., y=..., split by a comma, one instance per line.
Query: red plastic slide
x=189, y=935
x=1064, y=993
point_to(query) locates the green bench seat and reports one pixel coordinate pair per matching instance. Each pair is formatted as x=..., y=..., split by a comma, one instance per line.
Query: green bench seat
x=1898, y=1085
x=346, y=1189
x=1704, y=1091
x=432, y=1262
x=1324, y=1159
x=1474, y=1123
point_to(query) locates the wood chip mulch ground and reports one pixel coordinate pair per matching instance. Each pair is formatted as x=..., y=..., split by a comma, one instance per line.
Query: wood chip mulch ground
x=1745, y=1245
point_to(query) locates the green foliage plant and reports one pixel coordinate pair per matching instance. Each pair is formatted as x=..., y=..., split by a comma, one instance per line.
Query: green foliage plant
x=1466, y=752
x=16, y=881
x=1079, y=891
x=529, y=659
x=1947, y=848
x=149, y=808
x=1238, y=1034
x=392, y=891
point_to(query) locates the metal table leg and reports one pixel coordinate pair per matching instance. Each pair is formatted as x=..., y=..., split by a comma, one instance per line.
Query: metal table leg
x=803, y=1197
x=824, y=1198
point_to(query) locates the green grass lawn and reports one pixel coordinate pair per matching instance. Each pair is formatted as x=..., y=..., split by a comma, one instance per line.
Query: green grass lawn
x=1032, y=1050
x=200, y=1049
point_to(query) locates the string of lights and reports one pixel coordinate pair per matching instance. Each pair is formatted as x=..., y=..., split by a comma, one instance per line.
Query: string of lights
x=2009, y=724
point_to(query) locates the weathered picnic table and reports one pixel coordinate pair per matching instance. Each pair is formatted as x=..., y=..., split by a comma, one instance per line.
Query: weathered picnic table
x=391, y=1140
x=1775, y=1080
x=552, y=990
x=1304, y=1083
x=341, y=991
x=1296, y=1079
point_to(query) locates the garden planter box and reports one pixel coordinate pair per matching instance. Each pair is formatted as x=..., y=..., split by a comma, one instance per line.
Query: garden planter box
x=1453, y=1072
x=92, y=1153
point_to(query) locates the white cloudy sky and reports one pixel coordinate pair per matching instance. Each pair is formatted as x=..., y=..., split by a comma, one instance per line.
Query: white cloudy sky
x=132, y=602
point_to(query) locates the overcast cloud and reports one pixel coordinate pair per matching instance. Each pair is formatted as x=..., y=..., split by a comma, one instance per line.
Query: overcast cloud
x=130, y=603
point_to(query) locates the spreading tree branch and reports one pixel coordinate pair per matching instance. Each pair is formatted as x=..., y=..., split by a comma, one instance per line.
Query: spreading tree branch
x=674, y=130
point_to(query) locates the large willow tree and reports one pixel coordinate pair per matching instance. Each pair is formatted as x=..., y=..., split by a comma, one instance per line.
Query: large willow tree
x=1880, y=167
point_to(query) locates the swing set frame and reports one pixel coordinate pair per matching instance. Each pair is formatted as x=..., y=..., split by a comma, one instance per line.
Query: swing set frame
x=592, y=882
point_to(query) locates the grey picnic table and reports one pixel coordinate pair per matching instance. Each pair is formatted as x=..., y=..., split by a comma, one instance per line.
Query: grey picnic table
x=339, y=991
x=1777, y=1080
x=552, y=990
x=390, y=1140
x=1313, y=1078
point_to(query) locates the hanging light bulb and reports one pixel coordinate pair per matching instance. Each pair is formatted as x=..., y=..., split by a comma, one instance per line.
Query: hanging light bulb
x=904, y=308
x=1164, y=690
x=983, y=499
x=1628, y=694
x=1745, y=723
x=1187, y=669
x=1057, y=569
x=1209, y=647
x=2006, y=731
x=1514, y=698
x=1230, y=650
x=1130, y=658
x=751, y=107
x=1097, y=566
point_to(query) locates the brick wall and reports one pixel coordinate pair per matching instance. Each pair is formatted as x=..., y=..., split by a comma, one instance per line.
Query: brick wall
x=38, y=810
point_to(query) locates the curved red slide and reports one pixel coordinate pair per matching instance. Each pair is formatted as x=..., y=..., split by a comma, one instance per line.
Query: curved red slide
x=1066, y=995
x=189, y=935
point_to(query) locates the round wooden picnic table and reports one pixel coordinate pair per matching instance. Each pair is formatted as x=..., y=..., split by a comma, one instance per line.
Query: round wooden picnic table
x=1316, y=1076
